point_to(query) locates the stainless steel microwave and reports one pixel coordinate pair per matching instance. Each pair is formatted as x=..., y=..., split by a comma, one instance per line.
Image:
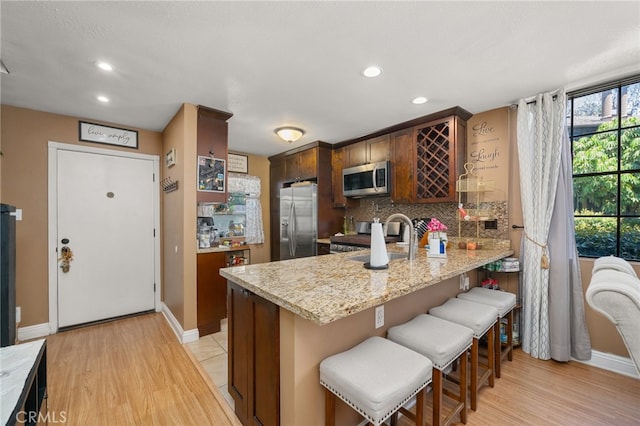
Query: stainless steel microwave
x=366, y=180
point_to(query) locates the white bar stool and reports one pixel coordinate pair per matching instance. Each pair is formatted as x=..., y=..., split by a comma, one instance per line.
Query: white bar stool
x=376, y=378
x=505, y=303
x=482, y=319
x=443, y=342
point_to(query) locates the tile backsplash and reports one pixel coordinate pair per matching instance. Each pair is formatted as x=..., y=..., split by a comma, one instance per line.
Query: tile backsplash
x=447, y=213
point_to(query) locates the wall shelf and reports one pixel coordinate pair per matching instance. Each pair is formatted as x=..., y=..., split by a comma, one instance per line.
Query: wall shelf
x=470, y=189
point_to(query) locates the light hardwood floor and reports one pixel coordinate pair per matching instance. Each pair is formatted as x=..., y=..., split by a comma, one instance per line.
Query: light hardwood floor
x=535, y=392
x=131, y=371
x=134, y=372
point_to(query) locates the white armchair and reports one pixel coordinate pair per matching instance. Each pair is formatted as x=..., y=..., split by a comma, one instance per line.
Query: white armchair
x=615, y=293
x=612, y=262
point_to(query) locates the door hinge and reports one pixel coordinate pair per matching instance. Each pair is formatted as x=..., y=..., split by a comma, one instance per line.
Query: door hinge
x=154, y=176
x=154, y=287
x=154, y=232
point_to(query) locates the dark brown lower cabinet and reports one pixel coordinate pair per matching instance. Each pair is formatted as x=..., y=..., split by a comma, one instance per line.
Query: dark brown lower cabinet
x=254, y=357
x=212, y=290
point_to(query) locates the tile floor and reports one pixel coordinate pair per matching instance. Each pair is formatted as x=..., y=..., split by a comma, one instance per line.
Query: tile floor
x=211, y=351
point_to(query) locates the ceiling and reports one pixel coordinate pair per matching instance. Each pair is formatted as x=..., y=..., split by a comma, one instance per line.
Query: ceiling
x=299, y=63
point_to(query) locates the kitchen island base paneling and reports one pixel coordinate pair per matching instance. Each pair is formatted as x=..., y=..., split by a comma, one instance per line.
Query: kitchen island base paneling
x=254, y=346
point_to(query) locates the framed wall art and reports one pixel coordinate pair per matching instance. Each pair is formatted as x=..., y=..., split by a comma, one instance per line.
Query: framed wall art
x=211, y=174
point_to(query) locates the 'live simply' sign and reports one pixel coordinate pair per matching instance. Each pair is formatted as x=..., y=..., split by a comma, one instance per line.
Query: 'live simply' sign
x=91, y=132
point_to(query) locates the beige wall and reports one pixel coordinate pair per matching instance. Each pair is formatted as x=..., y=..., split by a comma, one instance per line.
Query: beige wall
x=25, y=135
x=179, y=213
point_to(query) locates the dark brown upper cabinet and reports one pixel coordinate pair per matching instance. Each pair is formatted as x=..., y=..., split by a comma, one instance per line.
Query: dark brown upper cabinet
x=212, y=135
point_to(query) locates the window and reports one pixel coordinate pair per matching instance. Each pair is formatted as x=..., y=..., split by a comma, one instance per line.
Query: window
x=604, y=128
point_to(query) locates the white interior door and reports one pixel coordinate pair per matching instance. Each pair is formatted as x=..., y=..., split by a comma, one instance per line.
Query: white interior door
x=105, y=215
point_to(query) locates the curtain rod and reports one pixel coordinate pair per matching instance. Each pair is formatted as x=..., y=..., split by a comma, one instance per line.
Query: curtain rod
x=532, y=99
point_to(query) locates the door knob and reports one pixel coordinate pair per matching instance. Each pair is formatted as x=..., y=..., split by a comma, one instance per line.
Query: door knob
x=66, y=256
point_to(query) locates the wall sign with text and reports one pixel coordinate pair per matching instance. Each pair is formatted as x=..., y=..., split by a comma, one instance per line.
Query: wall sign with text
x=238, y=163
x=488, y=149
x=91, y=132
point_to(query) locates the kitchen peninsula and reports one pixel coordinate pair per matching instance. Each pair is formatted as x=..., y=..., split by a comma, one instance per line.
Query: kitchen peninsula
x=286, y=317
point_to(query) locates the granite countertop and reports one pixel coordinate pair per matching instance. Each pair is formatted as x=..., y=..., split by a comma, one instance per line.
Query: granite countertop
x=327, y=288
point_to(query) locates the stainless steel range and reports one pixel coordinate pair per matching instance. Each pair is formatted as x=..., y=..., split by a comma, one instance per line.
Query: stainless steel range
x=362, y=240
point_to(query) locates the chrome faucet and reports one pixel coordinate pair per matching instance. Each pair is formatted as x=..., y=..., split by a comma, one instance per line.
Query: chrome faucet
x=412, y=232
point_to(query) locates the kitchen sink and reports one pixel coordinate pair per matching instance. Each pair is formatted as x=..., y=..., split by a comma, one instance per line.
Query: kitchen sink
x=366, y=257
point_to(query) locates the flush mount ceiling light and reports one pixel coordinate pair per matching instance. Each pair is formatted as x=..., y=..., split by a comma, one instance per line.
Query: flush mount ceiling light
x=105, y=66
x=289, y=134
x=372, y=71
x=419, y=100
x=102, y=99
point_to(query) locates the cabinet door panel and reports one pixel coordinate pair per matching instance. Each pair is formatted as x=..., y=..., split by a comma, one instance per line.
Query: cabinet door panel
x=254, y=357
x=292, y=167
x=308, y=163
x=266, y=337
x=240, y=358
x=355, y=154
x=211, y=292
x=378, y=149
x=402, y=167
x=337, y=164
x=301, y=165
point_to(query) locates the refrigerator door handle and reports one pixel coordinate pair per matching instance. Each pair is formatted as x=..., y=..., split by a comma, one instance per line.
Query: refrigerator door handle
x=294, y=230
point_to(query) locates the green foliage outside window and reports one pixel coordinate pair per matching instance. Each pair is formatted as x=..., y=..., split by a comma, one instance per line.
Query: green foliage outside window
x=596, y=200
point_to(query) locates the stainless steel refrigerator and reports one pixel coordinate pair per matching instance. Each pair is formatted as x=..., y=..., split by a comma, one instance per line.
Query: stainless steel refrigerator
x=298, y=220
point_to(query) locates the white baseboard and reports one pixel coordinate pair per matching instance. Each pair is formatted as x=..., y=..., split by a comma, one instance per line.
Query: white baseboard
x=183, y=336
x=33, y=331
x=617, y=364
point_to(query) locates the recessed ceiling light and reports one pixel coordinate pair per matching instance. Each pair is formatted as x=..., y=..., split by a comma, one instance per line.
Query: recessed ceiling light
x=104, y=66
x=372, y=71
x=419, y=100
x=102, y=98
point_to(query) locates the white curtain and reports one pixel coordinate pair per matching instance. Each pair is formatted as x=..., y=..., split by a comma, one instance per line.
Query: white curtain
x=250, y=186
x=541, y=124
x=569, y=336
